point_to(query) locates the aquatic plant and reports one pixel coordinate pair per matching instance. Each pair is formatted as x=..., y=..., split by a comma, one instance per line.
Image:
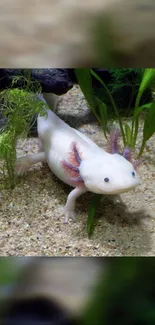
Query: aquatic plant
x=129, y=133
x=100, y=109
x=123, y=85
x=124, y=294
x=18, y=106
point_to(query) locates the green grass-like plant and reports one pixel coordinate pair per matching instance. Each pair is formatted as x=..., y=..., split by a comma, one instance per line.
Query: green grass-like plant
x=129, y=133
x=124, y=294
x=19, y=107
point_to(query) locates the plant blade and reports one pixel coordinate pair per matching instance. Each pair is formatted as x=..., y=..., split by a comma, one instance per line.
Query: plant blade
x=85, y=83
x=149, y=127
x=147, y=79
x=128, y=134
x=139, y=109
x=104, y=115
x=91, y=212
x=149, y=124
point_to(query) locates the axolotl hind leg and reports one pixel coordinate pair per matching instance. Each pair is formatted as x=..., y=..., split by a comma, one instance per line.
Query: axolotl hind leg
x=23, y=163
x=41, y=146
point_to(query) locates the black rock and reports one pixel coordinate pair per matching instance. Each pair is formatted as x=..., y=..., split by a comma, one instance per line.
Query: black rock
x=55, y=81
x=104, y=74
x=37, y=311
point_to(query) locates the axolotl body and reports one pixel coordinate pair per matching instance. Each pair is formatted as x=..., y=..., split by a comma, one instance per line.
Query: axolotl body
x=78, y=161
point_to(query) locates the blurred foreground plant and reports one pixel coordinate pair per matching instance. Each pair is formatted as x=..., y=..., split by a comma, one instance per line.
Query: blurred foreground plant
x=122, y=294
x=125, y=294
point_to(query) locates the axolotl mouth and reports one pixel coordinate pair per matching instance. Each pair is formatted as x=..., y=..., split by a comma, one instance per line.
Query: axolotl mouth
x=113, y=191
x=125, y=189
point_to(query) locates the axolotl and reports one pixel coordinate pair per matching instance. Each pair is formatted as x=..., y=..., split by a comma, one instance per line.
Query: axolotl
x=79, y=162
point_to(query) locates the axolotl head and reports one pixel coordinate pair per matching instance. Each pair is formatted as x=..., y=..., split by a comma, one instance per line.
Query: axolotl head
x=108, y=174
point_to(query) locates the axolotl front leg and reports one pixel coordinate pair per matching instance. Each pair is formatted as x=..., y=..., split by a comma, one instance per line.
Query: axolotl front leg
x=69, y=209
x=24, y=162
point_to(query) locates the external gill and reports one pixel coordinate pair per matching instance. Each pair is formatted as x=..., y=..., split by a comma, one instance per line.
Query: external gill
x=113, y=147
x=76, y=153
x=112, y=144
x=128, y=155
x=72, y=167
x=137, y=163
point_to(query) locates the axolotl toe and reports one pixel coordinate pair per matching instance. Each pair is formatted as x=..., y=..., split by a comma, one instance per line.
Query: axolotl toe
x=76, y=160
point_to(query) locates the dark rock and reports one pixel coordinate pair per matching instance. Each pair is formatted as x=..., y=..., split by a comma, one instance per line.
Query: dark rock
x=38, y=311
x=104, y=74
x=55, y=81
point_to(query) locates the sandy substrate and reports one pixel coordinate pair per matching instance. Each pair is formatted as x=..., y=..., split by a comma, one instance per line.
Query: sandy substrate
x=28, y=224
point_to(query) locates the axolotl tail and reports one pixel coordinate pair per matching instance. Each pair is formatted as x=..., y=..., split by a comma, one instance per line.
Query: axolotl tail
x=50, y=122
x=47, y=123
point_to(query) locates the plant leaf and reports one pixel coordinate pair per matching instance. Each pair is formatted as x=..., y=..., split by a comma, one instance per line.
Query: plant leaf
x=103, y=114
x=91, y=212
x=85, y=83
x=128, y=134
x=147, y=80
x=139, y=109
x=149, y=124
x=112, y=102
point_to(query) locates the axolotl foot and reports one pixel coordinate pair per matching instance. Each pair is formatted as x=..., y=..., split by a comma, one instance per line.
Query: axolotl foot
x=69, y=209
x=68, y=214
x=21, y=166
x=24, y=162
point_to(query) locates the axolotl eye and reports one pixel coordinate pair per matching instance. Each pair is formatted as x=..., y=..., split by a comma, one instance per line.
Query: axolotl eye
x=133, y=174
x=106, y=179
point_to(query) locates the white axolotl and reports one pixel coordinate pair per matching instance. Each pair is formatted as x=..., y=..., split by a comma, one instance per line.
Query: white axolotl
x=79, y=162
